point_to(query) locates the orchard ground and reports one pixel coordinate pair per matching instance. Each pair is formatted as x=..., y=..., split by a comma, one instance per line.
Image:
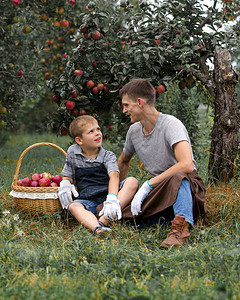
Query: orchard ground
x=53, y=257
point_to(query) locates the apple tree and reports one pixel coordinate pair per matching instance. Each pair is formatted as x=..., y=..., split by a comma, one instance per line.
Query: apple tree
x=167, y=42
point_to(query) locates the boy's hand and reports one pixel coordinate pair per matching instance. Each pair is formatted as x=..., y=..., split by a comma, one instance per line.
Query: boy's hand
x=65, y=192
x=139, y=198
x=111, y=208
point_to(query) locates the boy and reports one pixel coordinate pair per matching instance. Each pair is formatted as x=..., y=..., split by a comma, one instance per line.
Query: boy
x=95, y=173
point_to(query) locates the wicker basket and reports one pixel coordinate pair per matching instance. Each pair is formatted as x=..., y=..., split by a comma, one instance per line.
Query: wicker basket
x=32, y=205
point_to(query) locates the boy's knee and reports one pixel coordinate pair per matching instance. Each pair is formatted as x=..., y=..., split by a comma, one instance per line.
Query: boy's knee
x=73, y=206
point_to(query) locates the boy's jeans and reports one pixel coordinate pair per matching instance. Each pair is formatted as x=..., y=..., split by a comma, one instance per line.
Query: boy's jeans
x=184, y=202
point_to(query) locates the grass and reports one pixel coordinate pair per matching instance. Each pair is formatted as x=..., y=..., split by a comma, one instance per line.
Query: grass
x=47, y=257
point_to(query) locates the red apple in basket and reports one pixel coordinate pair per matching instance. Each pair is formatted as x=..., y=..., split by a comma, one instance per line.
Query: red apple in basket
x=19, y=182
x=46, y=175
x=57, y=179
x=53, y=184
x=44, y=182
x=34, y=183
x=35, y=177
x=26, y=181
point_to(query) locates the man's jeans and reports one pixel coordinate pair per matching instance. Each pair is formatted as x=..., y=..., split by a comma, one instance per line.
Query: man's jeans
x=184, y=202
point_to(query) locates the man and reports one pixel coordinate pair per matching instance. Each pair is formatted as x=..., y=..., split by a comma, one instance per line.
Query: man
x=162, y=143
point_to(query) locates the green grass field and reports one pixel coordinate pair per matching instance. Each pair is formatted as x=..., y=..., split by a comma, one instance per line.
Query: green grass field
x=53, y=257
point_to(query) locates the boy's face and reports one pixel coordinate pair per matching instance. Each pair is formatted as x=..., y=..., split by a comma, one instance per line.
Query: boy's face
x=91, y=136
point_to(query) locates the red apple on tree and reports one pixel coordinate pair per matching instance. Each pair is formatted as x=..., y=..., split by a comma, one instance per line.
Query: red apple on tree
x=100, y=86
x=94, y=64
x=70, y=105
x=83, y=28
x=105, y=88
x=96, y=35
x=78, y=72
x=161, y=89
x=64, y=131
x=95, y=90
x=20, y=73
x=74, y=94
x=75, y=112
x=177, y=32
x=182, y=85
x=64, y=23
x=16, y=2
x=82, y=112
x=90, y=84
x=55, y=98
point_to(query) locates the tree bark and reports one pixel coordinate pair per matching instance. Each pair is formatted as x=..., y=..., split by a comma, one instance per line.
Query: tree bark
x=224, y=145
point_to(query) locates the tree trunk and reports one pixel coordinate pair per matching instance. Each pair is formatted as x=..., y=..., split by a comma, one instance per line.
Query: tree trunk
x=224, y=145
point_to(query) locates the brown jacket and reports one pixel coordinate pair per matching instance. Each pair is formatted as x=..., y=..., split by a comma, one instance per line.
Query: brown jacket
x=165, y=193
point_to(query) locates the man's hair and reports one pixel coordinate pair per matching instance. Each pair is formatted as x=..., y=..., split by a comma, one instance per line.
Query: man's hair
x=139, y=88
x=76, y=126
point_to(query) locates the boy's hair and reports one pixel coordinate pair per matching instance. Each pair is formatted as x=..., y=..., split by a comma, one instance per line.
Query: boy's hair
x=76, y=126
x=139, y=88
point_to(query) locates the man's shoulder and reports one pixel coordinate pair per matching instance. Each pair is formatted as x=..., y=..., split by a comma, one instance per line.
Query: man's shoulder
x=135, y=127
x=168, y=119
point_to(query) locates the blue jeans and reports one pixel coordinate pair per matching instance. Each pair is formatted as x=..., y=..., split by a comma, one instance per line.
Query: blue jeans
x=184, y=202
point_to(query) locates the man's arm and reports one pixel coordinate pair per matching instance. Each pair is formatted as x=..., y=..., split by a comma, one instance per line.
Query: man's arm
x=123, y=165
x=184, y=163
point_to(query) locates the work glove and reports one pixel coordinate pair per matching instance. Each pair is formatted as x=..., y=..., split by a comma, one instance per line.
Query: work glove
x=139, y=198
x=65, y=192
x=111, y=208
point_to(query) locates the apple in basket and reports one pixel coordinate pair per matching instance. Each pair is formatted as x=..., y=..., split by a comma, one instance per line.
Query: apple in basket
x=44, y=182
x=34, y=183
x=46, y=175
x=35, y=177
x=53, y=184
x=19, y=182
x=57, y=179
x=26, y=181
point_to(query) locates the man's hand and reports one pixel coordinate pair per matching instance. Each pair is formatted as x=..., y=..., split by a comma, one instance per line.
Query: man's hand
x=65, y=192
x=111, y=208
x=139, y=198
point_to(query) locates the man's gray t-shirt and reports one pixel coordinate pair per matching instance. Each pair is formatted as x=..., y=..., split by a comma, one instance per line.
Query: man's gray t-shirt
x=156, y=149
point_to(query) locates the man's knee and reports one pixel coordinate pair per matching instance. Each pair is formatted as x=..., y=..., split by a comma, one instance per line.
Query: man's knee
x=131, y=183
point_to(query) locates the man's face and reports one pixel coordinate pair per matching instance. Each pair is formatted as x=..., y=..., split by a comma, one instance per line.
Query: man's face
x=131, y=108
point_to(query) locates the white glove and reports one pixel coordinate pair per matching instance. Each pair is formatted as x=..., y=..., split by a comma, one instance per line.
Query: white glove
x=65, y=192
x=139, y=198
x=111, y=208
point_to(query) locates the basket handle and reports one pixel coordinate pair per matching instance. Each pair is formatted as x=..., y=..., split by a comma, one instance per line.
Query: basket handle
x=15, y=178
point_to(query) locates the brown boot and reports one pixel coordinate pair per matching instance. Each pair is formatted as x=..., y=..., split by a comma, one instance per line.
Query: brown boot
x=179, y=233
